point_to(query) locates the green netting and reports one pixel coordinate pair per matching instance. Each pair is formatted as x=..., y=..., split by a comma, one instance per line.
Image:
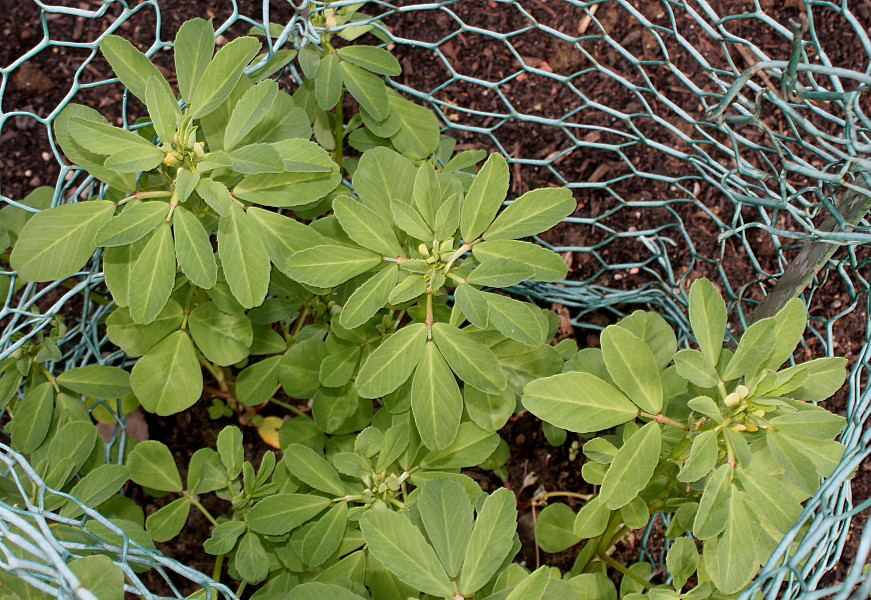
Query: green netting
x=701, y=138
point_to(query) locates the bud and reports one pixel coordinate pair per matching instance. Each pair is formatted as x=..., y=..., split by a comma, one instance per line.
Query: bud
x=743, y=391
x=732, y=400
x=739, y=427
x=759, y=413
x=423, y=250
x=198, y=150
x=172, y=160
x=751, y=426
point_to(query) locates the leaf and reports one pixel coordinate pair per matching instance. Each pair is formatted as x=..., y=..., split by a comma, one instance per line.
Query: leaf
x=367, y=89
x=154, y=276
x=168, y=521
x=162, y=108
x=392, y=363
x=491, y=541
x=134, y=223
x=736, y=549
x=489, y=411
x=225, y=535
x=33, y=418
x=256, y=158
x=168, y=378
x=547, y=265
x=243, y=258
x=151, y=465
x=485, y=196
x=447, y=517
x=322, y=591
x=789, y=326
x=57, y=242
x=366, y=227
x=278, y=514
x=816, y=424
x=702, y=458
x=313, y=470
x=283, y=190
x=384, y=177
x=132, y=67
x=221, y=76
x=532, y=587
x=193, y=249
x=409, y=220
x=136, y=339
x=371, y=58
x=251, y=560
x=436, y=401
x=401, y=547
x=753, y=350
x=471, y=447
x=655, y=332
x=554, y=528
x=329, y=265
x=579, y=402
x=99, y=137
x=418, y=134
x=473, y=304
x=135, y=159
x=324, y=538
x=282, y=236
x=592, y=519
x=257, y=382
x=194, y=46
x=632, y=467
x=298, y=372
x=707, y=313
x=223, y=339
x=633, y=368
x=215, y=194
x=98, y=381
x=500, y=273
x=517, y=320
x=100, y=576
x=532, y=213
x=369, y=298
x=713, y=512
x=249, y=111
x=328, y=82
x=682, y=560
x=695, y=367
x=825, y=377
x=95, y=488
x=472, y=361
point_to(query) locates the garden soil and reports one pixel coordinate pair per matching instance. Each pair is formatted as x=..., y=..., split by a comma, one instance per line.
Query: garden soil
x=41, y=83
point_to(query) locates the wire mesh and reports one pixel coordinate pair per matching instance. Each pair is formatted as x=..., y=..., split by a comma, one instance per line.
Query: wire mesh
x=701, y=138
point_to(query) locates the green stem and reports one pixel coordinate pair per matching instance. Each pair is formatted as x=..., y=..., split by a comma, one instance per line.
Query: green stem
x=219, y=566
x=614, y=564
x=722, y=388
x=241, y=589
x=339, y=132
x=661, y=418
x=202, y=509
x=545, y=495
x=430, y=319
x=300, y=320
x=290, y=407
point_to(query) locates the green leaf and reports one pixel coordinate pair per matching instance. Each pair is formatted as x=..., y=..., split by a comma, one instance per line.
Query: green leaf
x=367, y=89
x=447, y=517
x=98, y=381
x=654, y=331
x=154, y=276
x=283, y=190
x=221, y=76
x=33, y=418
x=737, y=561
x=322, y=591
x=554, y=528
x=100, y=576
x=135, y=222
x=702, y=458
x=473, y=304
x=366, y=227
x=713, y=512
x=251, y=109
x=329, y=265
x=520, y=321
x=825, y=377
x=132, y=67
x=532, y=587
x=636, y=514
x=278, y=514
x=282, y=236
x=135, y=159
x=547, y=265
x=243, y=258
x=298, y=372
x=256, y=383
x=401, y=547
x=256, y=158
x=767, y=495
x=471, y=447
x=369, y=298
x=222, y=338
x=815, y=424
x=338, y=367
x=328, y=82
x=136, y=339
x=695, y=367
x=472, y=361
x=95, y=488
x=409, y=220
x=251, y=560
x=633, y=368
x=491, y=541
x=489, y=411
x=707, y=406
x=436, y=401
x=789, y=326
x=418, y=135
x=325, y=536
x=708, y=318
x=225, y=536
x=382, y=178
x=194, y=46
x=231, y=451
x=151, y=465
x=753, y=350
x=98, y=137
x=632, y=467
x=500, y=273
x=532, y=213
x=168, y=522
x=371, y=58
x=215, y=194
x=168, y=378
x=308, y=467
x=485, y=196
x=193, y=249
x=56, y=243
x=682, y=560
x=392, y=363
x=579, y=402
x=162, y=108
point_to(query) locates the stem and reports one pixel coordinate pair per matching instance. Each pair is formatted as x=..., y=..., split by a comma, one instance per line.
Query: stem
x=241, y=589
x=661, y=418
x=537, y=551
x=49, y=377
x=430, y=319
x=722, y=388
x=730, y=453
x=613, y=563
x=219, y=566
x=584, y=497
x=187, y=307
x=202, y=509
x=300, y=320
x=339, y=133
x=290, y=407
x=619, y=534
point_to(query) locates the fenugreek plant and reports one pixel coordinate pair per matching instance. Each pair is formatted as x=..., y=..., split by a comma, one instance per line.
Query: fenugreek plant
x=262, y=248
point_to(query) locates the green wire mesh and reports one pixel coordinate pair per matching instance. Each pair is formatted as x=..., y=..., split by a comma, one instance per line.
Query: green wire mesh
x=701, y=138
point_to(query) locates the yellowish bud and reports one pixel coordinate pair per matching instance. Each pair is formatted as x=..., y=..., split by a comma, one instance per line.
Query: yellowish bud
x=759, y=413
x=732, y=400
x=739, y=427
x=743, y=391
x=423, y=250
x=751, y=427
x=198, y=150
x=171, y=160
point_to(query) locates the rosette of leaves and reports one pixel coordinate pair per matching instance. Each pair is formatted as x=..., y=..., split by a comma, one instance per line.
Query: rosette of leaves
x=725, y=438
x=412, y=238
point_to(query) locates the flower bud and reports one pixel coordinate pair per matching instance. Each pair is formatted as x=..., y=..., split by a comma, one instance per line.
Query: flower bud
x=423, y=250
x=172, y=160
x=751, y=426
x=759, y=413
x=739, y=427
x=743, y=391
x=732, y=400
x=198, y=150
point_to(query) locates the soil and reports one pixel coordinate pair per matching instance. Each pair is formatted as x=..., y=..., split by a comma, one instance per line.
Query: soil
x=608, y=199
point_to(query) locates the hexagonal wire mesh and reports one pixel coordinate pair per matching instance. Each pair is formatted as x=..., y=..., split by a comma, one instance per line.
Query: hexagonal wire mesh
x=704, y=138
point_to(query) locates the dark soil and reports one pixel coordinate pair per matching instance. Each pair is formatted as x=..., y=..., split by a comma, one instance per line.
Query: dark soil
x=600, y=175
